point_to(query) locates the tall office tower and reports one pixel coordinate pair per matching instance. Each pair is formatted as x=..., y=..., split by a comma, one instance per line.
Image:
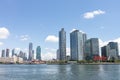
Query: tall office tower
x=104, y=51
x=77, y=40
x=113, y=50
x=3, y=53
x=7, y=52
x=30, y=51
x=91, y=48
x=84, y=37
x=32, y=54
x=84, y=40
x=24, y=56
x=62, y=44
x=21, y=54
x=58, y=54
x=13, y=52
x=38, y=53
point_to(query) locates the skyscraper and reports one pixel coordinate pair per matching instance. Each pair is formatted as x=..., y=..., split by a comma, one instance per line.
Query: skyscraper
x=24, y=56
x=77, y=40
x=3, y=53
x=32, y=54
x=38, y=53
x=7, y=52
x=113, y=52
x=13, y=52
x=91, y=48
x=58, y=54
x=104, y=51
x=84, y=37
x=62, y=44
x=21, y=54
x=30, y=51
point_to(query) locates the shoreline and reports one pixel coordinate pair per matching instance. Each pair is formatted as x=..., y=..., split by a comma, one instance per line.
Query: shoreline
x=101, y=63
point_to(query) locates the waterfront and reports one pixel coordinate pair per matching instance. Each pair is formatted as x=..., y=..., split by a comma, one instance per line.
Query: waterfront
x=59, y=72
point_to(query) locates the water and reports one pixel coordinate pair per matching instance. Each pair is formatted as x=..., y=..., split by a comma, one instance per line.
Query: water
x=59, y=72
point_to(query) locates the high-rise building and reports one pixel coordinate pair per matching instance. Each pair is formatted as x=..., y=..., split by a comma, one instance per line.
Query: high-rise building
x=38, y=53
x=24, y=56
x=77, y=40
x=104, y=51
x=113, y=52
x=58, y=54
x=84, y=37
x=3, y=53
x=84, y=40
x=13, y=52
x=91, y=48
x=30, y=51
x=62, y=44
x=32, y=54
x=21, y=54
x=7, y=52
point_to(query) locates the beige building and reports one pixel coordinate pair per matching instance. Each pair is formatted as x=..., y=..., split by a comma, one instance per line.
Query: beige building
x=13, y=59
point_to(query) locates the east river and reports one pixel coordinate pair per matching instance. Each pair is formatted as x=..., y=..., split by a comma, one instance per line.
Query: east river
x=59, y=72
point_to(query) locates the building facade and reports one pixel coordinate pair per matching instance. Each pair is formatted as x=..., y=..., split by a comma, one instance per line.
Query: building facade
x=38, y=53
x=58, y=54
x=7, y=52
x=62, y=44
x=3, y=53
x=30, y=51
x=77, y=40
x=91, y=48
x=13, y=52
x=104, y=51
x=112, y=49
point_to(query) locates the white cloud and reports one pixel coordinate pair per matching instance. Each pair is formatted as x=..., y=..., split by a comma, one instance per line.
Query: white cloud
x=103, y=43
x=51, y=53
x=48, y=56
x=50, y=49
x=1, y=43
x=24, y=37
x=67, y=51
x=76, y=29
x=18, y=49
x=4, y=33
x=73, y=30
x=92, y=14
x=51, y=38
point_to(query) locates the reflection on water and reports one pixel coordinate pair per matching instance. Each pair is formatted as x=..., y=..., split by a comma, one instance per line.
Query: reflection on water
x=59, y=72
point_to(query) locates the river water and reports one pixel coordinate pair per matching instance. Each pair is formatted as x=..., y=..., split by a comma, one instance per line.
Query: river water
x=59, y=72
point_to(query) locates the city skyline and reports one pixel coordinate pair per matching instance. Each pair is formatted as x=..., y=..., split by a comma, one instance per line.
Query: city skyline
x=38, y=22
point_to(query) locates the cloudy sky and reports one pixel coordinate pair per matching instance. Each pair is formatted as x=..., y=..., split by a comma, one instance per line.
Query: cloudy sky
x=39, y=21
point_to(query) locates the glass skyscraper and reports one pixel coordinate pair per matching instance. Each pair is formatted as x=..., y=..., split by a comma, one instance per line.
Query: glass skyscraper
x=91, y=48
x=13, y=52
x=38, y=53
x=7, y=52
x=58, y=54
x=77, y=40
x=112, y=49
x=30, y=51
x=3, y=53
x=104, y=51
x=62, y=44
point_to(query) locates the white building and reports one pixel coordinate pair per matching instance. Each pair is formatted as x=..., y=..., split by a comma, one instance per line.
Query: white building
x=13, y=59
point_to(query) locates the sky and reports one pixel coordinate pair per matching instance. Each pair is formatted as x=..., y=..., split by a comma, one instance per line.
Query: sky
x=39, y=21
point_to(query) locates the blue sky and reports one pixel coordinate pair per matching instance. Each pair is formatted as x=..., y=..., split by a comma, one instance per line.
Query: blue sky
x=35, y=20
